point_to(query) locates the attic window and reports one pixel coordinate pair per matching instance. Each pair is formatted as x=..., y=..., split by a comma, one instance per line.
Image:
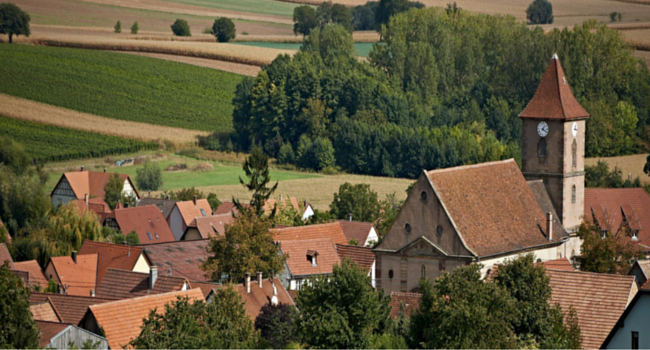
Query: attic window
x=157, y=237
x=311, y=256
x=603, y=234
x=149, y=235
x=541, y=148
x=423, y=196
x=202, y=212
x=407, y=228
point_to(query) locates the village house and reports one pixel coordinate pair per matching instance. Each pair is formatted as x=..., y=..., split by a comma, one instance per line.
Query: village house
x=66, y=308
x=184, y=213
x=179, y=259
x=54, y=335
x=95, y=205
x=35, y=277
x=363, y=233
x=75, y=274
x=165, y=205
x=77, y=184
x=121, y=284
x=305, y=212
x=363, y=257
x=641, y=271
x=115, y=256
x=490, y=212
x=206, y=227
x=147, y=221
x=632, y=330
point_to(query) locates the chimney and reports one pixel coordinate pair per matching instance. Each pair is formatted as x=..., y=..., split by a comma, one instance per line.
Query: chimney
x=82, y=168
x=259, y=279
x=74, y=256
x=549, y=225
x=169, y=197
x=194, y=200
x=349, y=217
x=86, y=198
x=247, y=282
x=92, y=293
x=153, y=276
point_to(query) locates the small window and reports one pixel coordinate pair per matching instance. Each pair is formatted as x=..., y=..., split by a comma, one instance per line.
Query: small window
x=439, y=230
x=635, y=340
x=423, y=271
x=157, y=237
x=407, y=228
x=603, y=234
x=541, y=148
x=424, y=196
x=573, y=194
x=635, y=236
x=202, y=212
x=390, y=274
x=574, y=153
x=149, y=235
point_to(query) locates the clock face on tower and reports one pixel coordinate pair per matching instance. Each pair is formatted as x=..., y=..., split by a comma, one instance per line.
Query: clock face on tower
x=542, y=129
x=574, y=129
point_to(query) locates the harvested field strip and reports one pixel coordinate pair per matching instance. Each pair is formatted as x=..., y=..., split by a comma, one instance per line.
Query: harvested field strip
x=47, y=143
x=362, y=49
x=265, y=7
x=628, y=164
x=41, y=113
x=126, y=87
x=236, y=68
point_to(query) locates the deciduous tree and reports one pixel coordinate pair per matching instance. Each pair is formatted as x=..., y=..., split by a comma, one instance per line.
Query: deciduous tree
x=357, y=200
x=223, y=29
x=540, y=12
x=304, y=19
x=149, y=177
x=135, y=28
x=18, y=329
x=277, y=324
x=113, y=190
x=13, y=21
x=181, y=28
x=606, y=251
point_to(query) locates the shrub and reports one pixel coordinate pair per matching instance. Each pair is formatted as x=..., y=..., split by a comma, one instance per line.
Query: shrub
x=135, y=28
x=286, y=155
x=540, y=12
x=118, y=27
x=181, y=28
x=223, y=29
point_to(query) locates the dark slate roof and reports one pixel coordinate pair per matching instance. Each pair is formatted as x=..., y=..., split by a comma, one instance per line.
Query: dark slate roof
x=182, y=257
x=164, y=205
x=120, y=284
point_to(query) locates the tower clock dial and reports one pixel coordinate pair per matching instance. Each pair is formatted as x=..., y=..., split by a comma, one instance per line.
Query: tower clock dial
x=542, y=129
x=574, y=129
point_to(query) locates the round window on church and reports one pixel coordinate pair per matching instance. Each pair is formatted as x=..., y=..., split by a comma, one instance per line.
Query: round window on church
x=407, y=228
x=439, y=230
x=390, y=274
x=423, y=196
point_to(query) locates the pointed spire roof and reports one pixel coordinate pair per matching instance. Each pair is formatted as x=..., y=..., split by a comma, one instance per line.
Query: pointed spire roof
x=553, y=98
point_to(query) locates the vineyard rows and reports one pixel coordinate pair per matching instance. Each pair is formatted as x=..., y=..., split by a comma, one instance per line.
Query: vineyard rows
x=47, y=143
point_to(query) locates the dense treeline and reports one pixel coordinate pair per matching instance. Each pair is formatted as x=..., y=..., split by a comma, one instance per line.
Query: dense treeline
x=444, y=88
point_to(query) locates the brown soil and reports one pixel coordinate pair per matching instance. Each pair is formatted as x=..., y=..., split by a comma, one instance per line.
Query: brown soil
x=237, y=68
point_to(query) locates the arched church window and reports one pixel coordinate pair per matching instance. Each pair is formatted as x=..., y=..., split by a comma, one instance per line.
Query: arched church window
x=573, y=194
x=541, y=148
x=574, y=153
x=423, y=271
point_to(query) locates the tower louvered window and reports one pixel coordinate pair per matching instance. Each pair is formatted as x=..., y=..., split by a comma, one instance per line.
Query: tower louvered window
x=573, y=194
x=574, y=152
x=541, y=148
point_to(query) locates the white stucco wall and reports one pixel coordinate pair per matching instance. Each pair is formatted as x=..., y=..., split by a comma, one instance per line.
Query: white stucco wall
x=638, y=320
x=372, y=237
x=176, y=223
x=128, y=189
x=309, y=212
x=141, y=265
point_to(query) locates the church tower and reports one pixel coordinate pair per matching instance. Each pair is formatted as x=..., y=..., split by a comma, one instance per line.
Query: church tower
x=553, y=145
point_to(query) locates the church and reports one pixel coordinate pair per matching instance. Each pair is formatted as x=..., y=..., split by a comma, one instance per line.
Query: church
x=487, y=213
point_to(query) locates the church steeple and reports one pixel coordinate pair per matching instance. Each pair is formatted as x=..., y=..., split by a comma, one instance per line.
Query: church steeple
x=553, y=131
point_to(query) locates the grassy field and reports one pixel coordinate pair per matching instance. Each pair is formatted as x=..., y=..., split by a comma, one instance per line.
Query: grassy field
x=119, y=86
x=363, y=49
x=46, y=143
x=628, y=164
x=265, y=7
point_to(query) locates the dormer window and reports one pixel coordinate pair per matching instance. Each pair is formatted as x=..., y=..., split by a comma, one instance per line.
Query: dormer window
x=311, y=257
x=635, y=234
x=603, y=234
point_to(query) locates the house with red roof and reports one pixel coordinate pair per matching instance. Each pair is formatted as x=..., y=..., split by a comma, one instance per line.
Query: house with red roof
x=147, y=221
x=307, y=258
x=179, y=259
x=207, y=226
x=77, y=185
x=35, y=277
x=75, y=274
x=115, y=256
x=185, y=212
x=632, y=331
x=95, y=205
x=305, y=211
x=363, y=233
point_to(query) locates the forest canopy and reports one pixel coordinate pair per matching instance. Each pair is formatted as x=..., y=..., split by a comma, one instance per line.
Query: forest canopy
x=444, y=88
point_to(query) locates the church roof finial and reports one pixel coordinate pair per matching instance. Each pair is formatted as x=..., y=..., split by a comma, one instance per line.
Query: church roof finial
x=555, y=57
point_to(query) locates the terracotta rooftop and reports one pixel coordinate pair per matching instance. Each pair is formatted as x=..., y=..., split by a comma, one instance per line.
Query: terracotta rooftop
x=120, y=326
x=205, y=287
x=259, y=297
x=298, y=261
x=147, y=221
x=598, y=299
x=211, y=226
x=36, y=275
x=70, y=308
x=76, y=278
x=410, y=302
x=553, y=98
x=190, y=210
x=362, y=256
x=116, y=256
x=5, y=256
x=492, y=207
x=271, y=203
x=225, y=208
x=49, y=330
x=610, y=207
x=182, y=258
x=356, y=230
x=557, y=264
x=333, y=231
x=120, y=284
x=44, y=311
x=646, y=285
x=91, y=182
x=164, y=205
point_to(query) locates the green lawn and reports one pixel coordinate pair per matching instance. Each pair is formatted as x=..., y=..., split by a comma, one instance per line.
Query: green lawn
x=265, y=7
x=173, y=180
x=46, y=143
x=120, y=86
x=363, y=49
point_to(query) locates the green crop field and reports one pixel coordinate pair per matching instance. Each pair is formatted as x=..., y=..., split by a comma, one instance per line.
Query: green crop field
x=126, y=87
x=363, y=49
x=265, y=7
x=46, y=143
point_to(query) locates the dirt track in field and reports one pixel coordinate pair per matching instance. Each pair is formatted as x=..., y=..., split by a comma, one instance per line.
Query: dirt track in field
x=237, y=68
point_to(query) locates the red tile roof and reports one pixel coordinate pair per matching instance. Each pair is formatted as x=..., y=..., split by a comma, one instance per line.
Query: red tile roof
x=120, y=284
x=557, y=264
x=611, y=207
x=362, y=256
x=259, y=297
x=189, y=211
x=211, y=226
x=121, y=320
x=410, y=301
x=182, y=258
x=70, y=308
x=298, y=262
x=553, y=98
x=492, y=207
x=332, y=231
x=5, y=256
x=96, y=205
x=44, y=311
x=116, y=256
x=49, y=330
x=36, y=275
x=598, y=299
x=76, y=278
x=225, y=208
x=146, y=221
x=271, y=203
x=356, y=230
x=91, y=182
x=205, y=287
